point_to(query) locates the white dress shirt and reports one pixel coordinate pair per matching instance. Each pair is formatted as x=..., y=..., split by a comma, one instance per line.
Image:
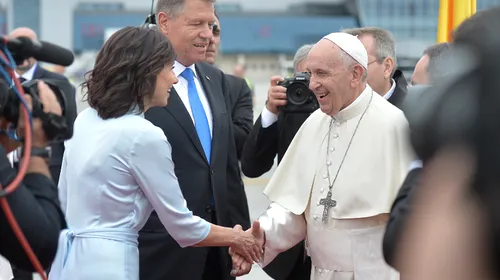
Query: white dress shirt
x=388, y=94
x=28, y=75
x=182, y=90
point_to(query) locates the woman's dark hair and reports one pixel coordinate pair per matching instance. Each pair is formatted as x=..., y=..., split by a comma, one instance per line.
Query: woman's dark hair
x=126, y=69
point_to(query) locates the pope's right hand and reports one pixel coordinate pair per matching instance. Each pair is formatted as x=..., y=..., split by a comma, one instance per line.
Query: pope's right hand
x=247, y=245
x=241, y=266
x=276, y=96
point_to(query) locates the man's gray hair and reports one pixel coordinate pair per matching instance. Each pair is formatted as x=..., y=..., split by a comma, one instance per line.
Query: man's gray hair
x=437, y=55
x=172, y=8
x=300, y=56
x=384, y=42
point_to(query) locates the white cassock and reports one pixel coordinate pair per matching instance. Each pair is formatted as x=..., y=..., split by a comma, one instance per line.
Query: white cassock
x=348, y=245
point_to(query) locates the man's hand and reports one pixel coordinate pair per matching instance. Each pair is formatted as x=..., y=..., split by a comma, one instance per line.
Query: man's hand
x=240, y=265
x=50, y=105
x=276, y=96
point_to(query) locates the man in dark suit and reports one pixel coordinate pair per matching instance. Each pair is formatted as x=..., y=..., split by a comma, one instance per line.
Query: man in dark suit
x=198, y=126
x=31, y=70
x=239, y=97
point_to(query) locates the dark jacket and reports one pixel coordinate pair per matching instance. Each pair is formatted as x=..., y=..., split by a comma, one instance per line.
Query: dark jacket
x=240, y=101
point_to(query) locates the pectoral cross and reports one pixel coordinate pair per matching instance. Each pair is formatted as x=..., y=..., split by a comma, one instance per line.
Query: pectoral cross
x=328, y=202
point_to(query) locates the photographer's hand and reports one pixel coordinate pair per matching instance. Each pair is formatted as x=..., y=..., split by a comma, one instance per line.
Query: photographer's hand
x=276, y=96
x=50, y=105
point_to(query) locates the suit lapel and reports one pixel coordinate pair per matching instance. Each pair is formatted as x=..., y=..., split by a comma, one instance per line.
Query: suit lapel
x=38, y=73
x=212, y=90
x=178, y=110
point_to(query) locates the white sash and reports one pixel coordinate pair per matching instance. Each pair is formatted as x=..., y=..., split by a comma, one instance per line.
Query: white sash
x=124, y=235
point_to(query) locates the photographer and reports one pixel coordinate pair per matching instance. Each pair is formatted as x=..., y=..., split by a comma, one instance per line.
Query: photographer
x=272, y=134
x=34, y=203
x=29, y=70
x=269, y=136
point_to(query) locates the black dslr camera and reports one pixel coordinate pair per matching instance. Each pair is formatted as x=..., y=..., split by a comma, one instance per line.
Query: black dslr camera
x=300, y=99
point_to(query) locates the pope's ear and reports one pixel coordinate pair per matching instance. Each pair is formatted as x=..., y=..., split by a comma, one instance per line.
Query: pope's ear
x=357, y=73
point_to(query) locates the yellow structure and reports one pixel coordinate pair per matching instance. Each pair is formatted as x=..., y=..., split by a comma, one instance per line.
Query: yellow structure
x=451, y=14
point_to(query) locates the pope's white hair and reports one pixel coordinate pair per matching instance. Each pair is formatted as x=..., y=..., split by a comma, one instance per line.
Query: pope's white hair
x=350, y=62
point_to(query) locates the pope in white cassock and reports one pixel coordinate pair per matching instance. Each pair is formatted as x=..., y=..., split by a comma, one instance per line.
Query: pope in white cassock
x=340, y=175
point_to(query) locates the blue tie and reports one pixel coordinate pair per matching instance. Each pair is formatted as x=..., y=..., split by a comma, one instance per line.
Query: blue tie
x=200, y=118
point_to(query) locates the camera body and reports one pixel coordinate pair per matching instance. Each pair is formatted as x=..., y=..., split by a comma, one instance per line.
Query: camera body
x=57, y=128
x=300, y=99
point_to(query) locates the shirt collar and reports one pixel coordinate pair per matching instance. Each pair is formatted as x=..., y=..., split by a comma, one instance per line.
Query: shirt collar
x=28, y=75
x=179, y=68
x=391, y=91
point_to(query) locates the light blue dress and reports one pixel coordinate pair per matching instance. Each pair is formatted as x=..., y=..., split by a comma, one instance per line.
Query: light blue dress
x=114, y=173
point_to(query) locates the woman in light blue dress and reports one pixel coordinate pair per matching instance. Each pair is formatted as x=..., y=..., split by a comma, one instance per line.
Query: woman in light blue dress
x=118, y=167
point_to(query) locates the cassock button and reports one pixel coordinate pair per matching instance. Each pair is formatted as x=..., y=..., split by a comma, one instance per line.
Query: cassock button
x=325, y=176
x=335, y=136
x=338, y=123
x=332, y=149
x=320, y=271
x=317, y=203
x=322, y=190
x=315, y=217
x=328, y=163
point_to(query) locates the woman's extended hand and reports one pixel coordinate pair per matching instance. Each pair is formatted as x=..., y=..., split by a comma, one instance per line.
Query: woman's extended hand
x=248, y=244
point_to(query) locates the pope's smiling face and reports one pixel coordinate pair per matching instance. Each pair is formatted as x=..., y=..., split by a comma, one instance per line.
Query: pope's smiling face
x=333, y=81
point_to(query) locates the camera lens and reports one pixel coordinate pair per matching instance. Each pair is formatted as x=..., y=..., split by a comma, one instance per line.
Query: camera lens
x=298, y=94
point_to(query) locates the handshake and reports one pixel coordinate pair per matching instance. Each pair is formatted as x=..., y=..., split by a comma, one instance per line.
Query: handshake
x=247, y=249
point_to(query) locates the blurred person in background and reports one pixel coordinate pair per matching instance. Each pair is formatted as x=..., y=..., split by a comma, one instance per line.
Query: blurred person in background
x=240, y=70
x=383, y=75
x=452, y=229
x=271, y=135
x=198, y=126
x=436, y=225
x=239, y=94
x=118, y=167
x=426, y=71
